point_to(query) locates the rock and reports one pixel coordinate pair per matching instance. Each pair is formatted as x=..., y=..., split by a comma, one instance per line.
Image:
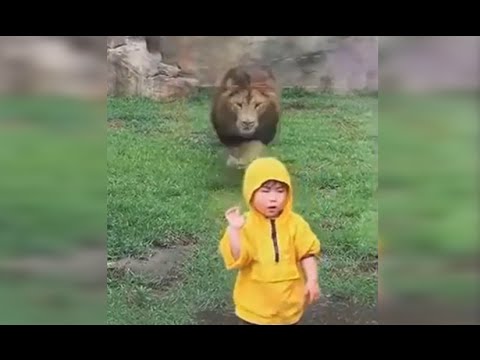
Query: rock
x=163, y=87
x=333, y=63
x=116, y=41
x=134, y=71
x=154, y=44
x=94, y=45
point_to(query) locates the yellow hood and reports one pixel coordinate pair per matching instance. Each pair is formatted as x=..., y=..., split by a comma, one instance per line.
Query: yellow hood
x=262, y=170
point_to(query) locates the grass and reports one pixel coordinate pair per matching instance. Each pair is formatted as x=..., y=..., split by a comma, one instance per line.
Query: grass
x=429, y=196
x=52, y=182
x=167, y=182
x=52, y=202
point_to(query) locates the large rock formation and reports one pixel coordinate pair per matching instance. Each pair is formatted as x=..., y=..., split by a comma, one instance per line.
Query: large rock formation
x=175, y=65
x=333, y=63
x=164, y=67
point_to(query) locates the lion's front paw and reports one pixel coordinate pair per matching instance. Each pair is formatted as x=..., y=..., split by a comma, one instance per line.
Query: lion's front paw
x=232, y=161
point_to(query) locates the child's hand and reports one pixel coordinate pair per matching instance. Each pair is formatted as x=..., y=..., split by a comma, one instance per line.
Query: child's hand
x=235, y=219
x=312, y=291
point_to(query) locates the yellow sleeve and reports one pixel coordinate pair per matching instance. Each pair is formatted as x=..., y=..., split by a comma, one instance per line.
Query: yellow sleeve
x=306, y=242
x=226, y=253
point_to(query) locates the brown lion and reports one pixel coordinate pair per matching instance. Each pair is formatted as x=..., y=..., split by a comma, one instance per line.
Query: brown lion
x=245, y=112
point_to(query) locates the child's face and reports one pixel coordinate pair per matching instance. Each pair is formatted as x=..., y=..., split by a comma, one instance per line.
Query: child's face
x=270, y=198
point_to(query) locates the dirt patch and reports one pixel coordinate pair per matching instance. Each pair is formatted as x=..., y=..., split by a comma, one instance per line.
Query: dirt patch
x=84, y=266
x=418, y=311
x=116, y=124
x=296, y=105
x=325, y=312
x=369, y=266
x=158, y=269
x=181, y=241
x=305, y=104
x=340, y=313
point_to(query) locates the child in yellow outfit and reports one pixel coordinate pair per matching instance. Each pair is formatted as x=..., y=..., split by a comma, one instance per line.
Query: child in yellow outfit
x=272, y=247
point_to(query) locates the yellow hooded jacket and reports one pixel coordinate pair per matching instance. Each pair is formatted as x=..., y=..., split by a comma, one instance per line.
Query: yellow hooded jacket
x=270, y=284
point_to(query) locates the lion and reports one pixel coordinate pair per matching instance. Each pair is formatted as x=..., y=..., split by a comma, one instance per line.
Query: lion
x=245, y=112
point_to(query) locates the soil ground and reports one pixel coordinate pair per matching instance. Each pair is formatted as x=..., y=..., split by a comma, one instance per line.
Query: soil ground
x=325, y=312
x=161, y=264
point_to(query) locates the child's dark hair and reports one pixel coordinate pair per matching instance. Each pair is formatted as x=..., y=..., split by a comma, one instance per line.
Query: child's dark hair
x=273, y=182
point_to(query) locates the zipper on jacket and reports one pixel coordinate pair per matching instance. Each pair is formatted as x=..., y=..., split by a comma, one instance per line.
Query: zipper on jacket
x=275, y=241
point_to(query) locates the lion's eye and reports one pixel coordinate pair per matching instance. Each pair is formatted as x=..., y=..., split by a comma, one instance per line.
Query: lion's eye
x=238, y=104
x=258, y=105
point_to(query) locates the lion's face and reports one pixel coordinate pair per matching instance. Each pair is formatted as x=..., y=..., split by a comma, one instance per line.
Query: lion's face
x=248, y=106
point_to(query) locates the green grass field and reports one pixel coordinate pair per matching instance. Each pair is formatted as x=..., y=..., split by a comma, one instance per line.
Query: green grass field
x=52, y=204
x=428, y=199
x=168, y=184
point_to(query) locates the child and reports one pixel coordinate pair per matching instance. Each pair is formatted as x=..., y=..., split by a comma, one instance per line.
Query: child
x=273, y=249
